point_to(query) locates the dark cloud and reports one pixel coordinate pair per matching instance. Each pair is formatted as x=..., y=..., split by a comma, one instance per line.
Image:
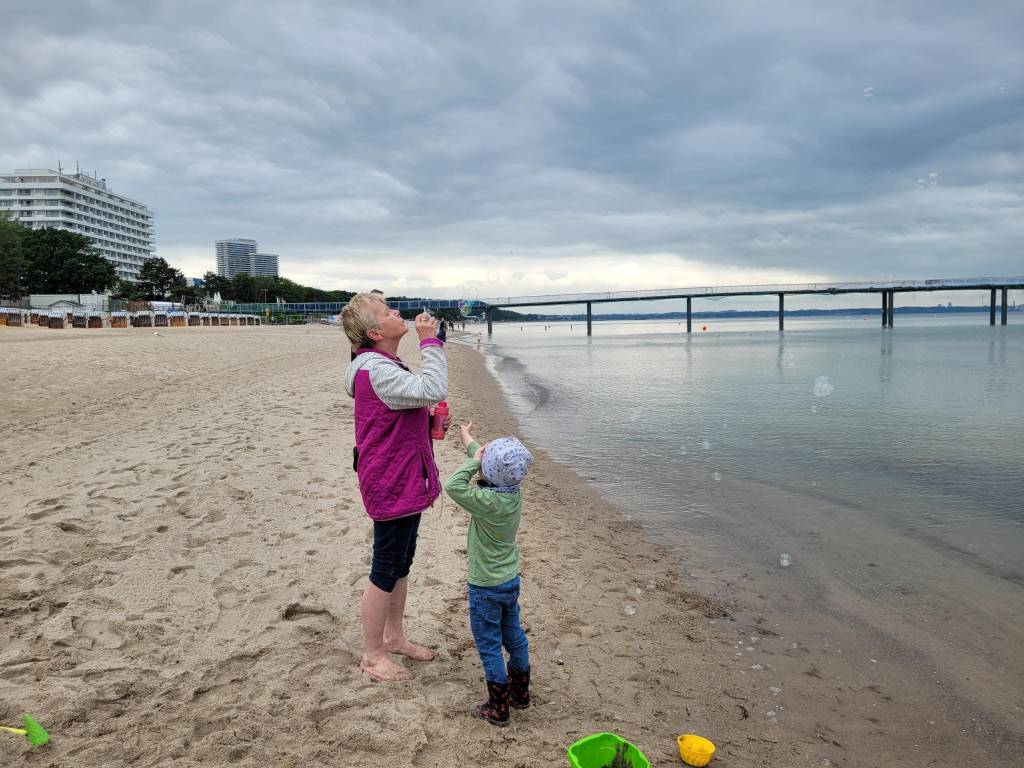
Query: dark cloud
x=735, y=141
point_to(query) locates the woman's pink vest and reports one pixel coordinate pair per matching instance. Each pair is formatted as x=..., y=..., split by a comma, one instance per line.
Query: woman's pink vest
x=396, y=469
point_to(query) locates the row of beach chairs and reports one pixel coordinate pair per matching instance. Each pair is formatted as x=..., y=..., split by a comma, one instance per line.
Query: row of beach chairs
x=58, y=318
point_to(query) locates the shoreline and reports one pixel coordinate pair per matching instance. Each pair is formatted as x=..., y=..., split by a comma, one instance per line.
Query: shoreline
x=183, y=551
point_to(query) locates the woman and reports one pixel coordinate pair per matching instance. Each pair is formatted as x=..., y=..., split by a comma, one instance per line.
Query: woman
x=395, y=465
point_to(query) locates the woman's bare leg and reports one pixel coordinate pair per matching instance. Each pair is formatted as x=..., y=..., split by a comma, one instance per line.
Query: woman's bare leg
x=395, y=640
x=375, y=662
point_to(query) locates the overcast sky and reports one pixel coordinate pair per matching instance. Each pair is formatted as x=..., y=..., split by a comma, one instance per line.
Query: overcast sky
x=514, y=148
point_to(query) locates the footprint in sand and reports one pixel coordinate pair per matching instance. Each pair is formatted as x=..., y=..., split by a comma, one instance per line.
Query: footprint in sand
x=301, y=611
x=72, y=526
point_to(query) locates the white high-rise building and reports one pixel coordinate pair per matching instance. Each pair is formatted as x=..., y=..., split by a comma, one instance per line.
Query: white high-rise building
x=119, y=227
x=264, y=264
x=234, y=256
x=238, y=254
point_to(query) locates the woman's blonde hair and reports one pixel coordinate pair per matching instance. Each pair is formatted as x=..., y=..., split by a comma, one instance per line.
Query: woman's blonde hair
x=357, y=318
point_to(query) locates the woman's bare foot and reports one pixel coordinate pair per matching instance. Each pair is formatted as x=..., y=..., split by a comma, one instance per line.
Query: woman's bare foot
x=405, y=647
x=384, y=670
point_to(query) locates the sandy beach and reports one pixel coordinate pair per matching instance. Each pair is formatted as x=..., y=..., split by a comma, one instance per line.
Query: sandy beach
x=183, y=550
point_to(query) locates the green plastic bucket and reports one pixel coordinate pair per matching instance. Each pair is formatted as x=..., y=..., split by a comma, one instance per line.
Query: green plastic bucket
x=598, y=750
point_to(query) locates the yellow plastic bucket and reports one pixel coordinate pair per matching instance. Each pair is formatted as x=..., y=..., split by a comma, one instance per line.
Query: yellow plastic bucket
x=695, y=750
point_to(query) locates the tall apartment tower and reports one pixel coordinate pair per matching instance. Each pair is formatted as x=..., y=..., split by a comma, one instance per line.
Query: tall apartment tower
x=264, y=264
x=239, y=255
x=234, y=256
x=119, y=227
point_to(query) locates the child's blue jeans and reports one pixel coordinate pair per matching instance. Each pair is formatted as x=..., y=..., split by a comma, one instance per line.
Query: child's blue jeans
x=494, y=619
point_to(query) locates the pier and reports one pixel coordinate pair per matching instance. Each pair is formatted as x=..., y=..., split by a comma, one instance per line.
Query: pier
x=887, y=290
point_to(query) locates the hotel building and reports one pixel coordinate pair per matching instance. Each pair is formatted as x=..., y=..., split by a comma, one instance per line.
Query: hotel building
x=119, y=227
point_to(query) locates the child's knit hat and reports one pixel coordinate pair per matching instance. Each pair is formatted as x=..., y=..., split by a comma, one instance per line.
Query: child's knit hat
x=505, y=463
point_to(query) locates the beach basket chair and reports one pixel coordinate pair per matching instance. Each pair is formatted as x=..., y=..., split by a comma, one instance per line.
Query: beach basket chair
x=56, y=319
x=119, y=319
x=94, y=320
x=193, y=319
x=142, y=320
x=79, y=320
x=161, y=320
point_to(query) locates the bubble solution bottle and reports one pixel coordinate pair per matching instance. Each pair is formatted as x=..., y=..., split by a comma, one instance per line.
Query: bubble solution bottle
x=437, y=418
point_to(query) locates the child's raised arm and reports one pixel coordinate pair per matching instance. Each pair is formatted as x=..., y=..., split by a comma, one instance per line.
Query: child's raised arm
x=460, y=486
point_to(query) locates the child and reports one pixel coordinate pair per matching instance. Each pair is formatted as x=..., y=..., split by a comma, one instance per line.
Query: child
x=494, y=505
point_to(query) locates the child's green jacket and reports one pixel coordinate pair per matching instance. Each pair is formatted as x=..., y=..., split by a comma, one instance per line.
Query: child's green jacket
x=494, y=521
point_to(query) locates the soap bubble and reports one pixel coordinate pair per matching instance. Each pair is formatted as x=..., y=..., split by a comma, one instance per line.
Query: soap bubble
x=869, y=92
x=629, y=609
x=717, y=477
x=706, y=445
x=493, y=276
x=814, y=409
x=652, y=584
x=785, y=560
x=824, y=386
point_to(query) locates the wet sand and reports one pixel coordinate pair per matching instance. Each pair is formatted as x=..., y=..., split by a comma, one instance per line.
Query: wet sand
x=182, y=553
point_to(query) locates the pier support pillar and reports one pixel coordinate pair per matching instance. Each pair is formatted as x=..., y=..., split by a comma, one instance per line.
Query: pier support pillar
x=1002, y=314
x=490, y=320
x=885, y=309
x=992, y=307
x=689, y=314
x=590, y=319
x=782, y=311
x=892, y=308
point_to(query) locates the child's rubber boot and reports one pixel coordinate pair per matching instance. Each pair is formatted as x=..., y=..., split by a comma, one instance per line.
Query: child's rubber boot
x=519, y=687
x=495, y=709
